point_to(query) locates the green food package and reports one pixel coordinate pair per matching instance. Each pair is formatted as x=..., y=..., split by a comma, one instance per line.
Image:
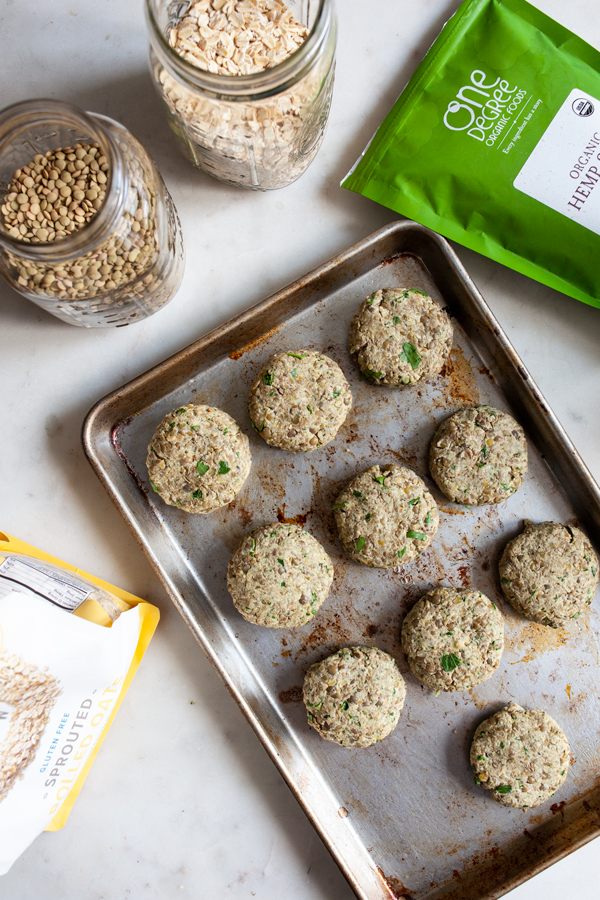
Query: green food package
x=495, y=143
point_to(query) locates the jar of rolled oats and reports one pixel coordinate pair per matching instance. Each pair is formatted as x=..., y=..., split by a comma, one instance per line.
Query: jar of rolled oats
x=246, y=84
x=88, y=230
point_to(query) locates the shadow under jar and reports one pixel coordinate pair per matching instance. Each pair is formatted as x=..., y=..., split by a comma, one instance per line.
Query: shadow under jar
x=259, y=130
x=119, y=262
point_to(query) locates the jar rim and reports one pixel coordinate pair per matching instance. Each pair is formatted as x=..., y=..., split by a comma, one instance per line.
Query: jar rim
x=29, y=113
x=270, y=81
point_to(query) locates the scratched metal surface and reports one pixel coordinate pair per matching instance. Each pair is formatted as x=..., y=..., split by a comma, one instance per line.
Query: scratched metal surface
x=417, y=826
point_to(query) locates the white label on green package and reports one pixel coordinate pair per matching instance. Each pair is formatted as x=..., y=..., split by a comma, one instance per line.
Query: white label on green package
x=16, y=574
x=563, y=170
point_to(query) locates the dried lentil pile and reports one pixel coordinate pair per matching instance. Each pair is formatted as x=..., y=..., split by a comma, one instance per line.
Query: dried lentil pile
x=237, y=37
x=56, y=194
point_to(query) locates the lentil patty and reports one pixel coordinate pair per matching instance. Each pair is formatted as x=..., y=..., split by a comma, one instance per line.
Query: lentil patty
x=279, y=576
x=453, y=639
x=299, y=400
x=354, y=697
x=385, y=516
x=478, y=456
x=400, y=337
x=198, y=458
x=522, y=757
x=549, y=573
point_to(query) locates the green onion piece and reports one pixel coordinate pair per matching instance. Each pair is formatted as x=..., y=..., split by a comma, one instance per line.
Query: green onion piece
x=416, y=535
x=268, y=378
x=359, y=544
x=401, y=552
x=298, y=355
x=197, y=495
x=154, y=488
x=294, y=372
x=340, y=505
x=180, y=410
x=504, y=788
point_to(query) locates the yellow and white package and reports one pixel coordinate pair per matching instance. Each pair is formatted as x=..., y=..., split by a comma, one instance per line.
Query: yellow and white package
x=70, y=645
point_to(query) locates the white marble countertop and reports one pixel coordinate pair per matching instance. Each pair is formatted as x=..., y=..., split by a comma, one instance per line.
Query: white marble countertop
x=182, y=799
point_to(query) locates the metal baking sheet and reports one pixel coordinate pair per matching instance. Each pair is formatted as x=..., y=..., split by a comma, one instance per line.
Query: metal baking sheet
x=402, y=819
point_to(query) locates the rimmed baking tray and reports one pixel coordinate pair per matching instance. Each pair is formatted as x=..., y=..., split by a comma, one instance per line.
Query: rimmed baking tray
x=403, y=818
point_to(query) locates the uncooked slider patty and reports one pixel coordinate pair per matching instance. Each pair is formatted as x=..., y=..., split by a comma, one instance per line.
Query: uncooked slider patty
x=400, y=336
x=198, y=458
x=299, y=400
x=453, y=639
x=354, y=697
x=521, y=756
x=478, y=456
x=385, y=516
x=279, y=576
x=549, y=573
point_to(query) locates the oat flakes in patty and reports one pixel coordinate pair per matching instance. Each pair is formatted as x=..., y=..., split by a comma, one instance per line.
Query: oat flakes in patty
x=299, y=400
x=198, y=458
x=478, y=456
x=385, y=516
x=279, y=576
x=453, y=639
x=400, y=337
x=521, y=756
x=354, y=697
x=549, y=573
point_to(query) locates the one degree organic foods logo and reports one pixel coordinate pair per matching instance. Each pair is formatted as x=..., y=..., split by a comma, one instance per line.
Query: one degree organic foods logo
x=483, y=110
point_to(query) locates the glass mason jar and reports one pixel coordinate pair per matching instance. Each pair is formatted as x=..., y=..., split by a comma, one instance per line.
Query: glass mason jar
x=258, y=131
x=122, y=265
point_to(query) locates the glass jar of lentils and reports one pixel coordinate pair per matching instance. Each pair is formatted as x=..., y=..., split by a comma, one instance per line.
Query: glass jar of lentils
x=246, y=84
x=88, y=230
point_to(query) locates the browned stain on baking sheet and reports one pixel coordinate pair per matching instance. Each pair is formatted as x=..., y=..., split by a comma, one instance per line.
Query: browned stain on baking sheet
x=395, y=887
x=395, y=258
x=453, y=511
x=460, y=383
x=479, y=702
x=558, y=807
x=535, y=639
x=291, y=695
x=262, y=339
x=300, y=519
x=244, y=514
